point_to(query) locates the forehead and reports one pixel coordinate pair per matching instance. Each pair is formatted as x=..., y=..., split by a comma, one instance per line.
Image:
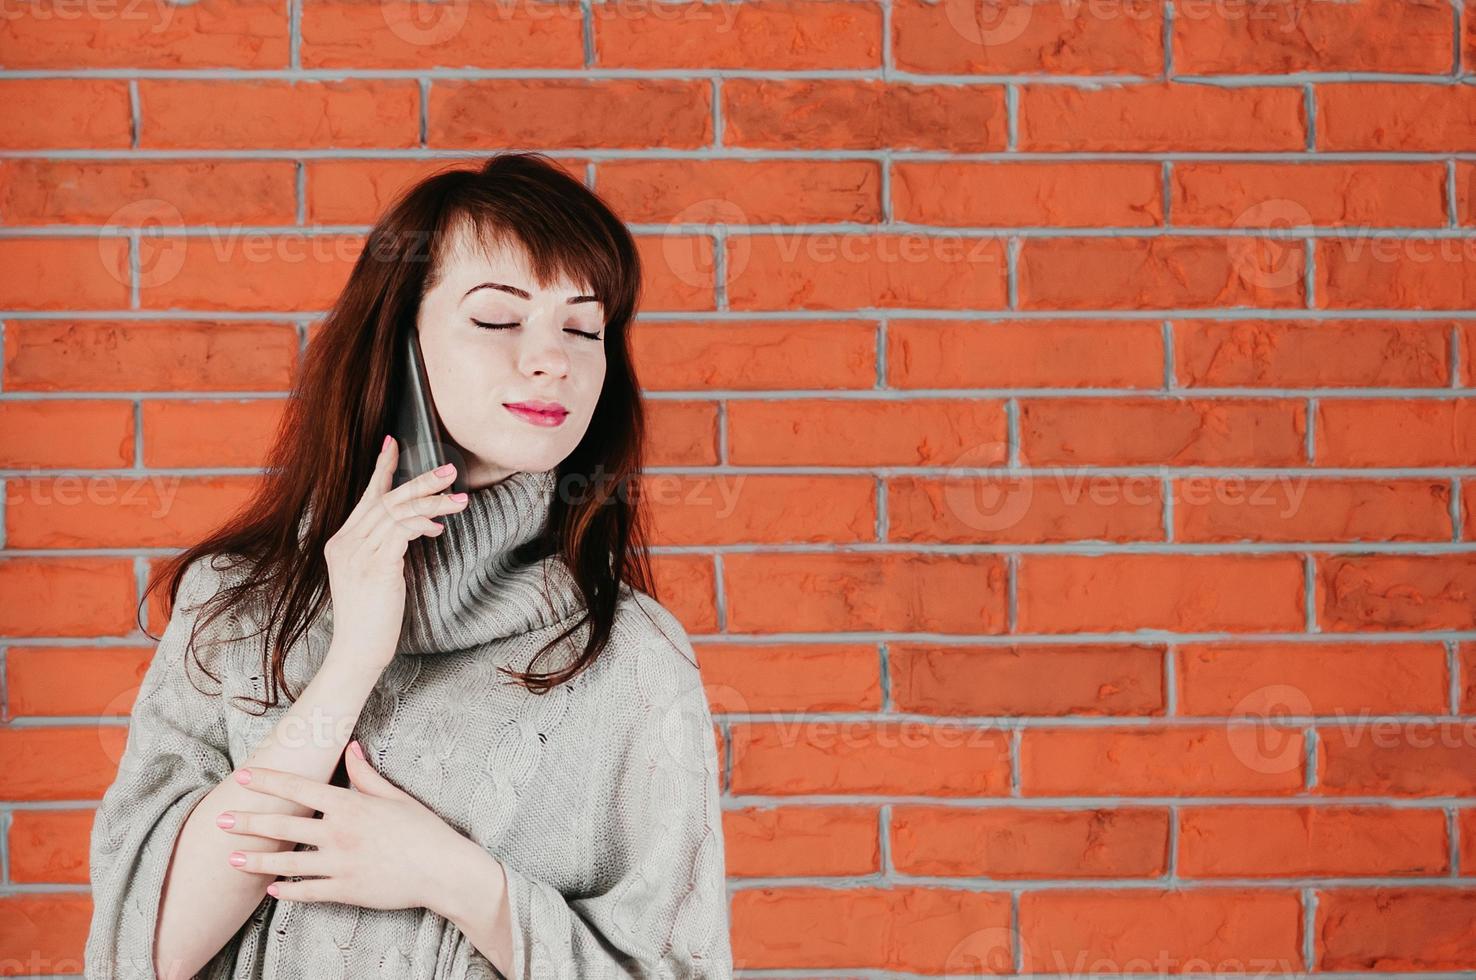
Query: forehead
x=469, y=261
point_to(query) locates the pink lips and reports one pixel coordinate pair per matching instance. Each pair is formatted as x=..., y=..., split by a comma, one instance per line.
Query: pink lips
x=539, y=413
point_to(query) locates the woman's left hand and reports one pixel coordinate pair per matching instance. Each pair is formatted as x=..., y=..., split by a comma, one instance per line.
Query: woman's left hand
x=377, y=846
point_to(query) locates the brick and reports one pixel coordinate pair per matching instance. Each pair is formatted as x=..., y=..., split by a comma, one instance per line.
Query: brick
x=1376, y=116
x=106, y=603
x=1264, y=679
x=1104, y=38
x=1152, y=431
x=1190, y=593
x=55, y=34
x=1395, y=928
x=135, y=355
x=238, y=114
x=1363, y=35
x=1152, y=273
x=71, y=680
x=1396, y=759
x=157, y=511
x=1358, y=195
x=1017, y=681
x=740, y=192
x=1153, y=117
x=50, y=846
x=1058, y=195
x=1175, y=930
x=899, y=592
x=1212, y=760
x=814, y=841
x=147, y=193
x=1405, y=273
x=64, y=113
x=754, y=508
x=1310, y=841
x=683, y=433
x=1025, y=509
x=1030, y=842
x=66, y=433
x=250, y=272
x=831, y=271
x=1024, y=354
x=64, y=273
x=844, y=114
x=1390, y=432
x=801, y=677
x=1311, y=353
x=1396, y=592
x=563, y=112
x=755, y=356
x=866, y=432
x=1282, y=507
x=400, y=34
x=889, y=757
x=909, y=929
x=179, y=433
x=792, y=36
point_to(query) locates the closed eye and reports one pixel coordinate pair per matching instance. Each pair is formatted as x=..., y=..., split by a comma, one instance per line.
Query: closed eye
x=503, y=326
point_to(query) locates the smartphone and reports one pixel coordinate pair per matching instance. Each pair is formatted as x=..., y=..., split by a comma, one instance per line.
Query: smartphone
x=417, y=427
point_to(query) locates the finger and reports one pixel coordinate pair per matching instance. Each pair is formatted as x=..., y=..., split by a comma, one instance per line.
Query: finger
x=366, y=779
x=290, y=786
x=380, y=480
x=432, y=505
x=428, y=482
x=391, y=536
x=280, y=862
x=277, y=826
x=312, y=890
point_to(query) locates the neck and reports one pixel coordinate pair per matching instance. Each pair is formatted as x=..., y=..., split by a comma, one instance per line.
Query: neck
x=468, y=586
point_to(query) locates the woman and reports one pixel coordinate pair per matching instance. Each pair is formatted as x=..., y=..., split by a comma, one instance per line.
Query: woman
x=529, y=781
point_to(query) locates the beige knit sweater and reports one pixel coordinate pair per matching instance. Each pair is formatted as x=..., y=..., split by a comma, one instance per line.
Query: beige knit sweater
x=599, y=798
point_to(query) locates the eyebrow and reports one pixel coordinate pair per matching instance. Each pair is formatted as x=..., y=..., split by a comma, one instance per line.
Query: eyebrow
x=523, y=293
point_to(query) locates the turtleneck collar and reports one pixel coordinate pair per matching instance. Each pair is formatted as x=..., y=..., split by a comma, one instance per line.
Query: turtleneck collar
x=465, y=587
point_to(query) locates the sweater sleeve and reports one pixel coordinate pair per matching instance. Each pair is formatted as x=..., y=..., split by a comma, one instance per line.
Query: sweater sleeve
x=661, y=908
x=175, y=753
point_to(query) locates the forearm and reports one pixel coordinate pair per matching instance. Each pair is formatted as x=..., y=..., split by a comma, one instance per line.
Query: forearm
x=475, y=901
x=205, y=899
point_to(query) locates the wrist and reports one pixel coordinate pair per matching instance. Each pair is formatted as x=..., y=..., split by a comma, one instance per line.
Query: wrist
x=470, y=886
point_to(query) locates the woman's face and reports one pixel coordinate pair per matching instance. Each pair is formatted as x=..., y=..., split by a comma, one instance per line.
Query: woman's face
x=551, y=355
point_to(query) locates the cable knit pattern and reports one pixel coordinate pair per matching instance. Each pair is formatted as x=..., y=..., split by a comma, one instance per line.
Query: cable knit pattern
x=600, y=798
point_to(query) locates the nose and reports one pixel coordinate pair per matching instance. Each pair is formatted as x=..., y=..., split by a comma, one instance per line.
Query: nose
x=540, y=352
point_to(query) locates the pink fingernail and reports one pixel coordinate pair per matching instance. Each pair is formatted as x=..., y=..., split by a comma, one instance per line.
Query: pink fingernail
x=237, y=858
x=243, y=776
x=272, y=889
x=358, y=750
x=446, y=469
x=385, y=444
x=225, y=820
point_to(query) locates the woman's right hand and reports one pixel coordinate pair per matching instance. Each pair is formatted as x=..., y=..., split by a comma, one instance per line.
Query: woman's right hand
x=366, y=557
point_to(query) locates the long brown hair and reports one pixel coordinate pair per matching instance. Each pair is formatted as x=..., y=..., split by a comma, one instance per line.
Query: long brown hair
x=340, y=407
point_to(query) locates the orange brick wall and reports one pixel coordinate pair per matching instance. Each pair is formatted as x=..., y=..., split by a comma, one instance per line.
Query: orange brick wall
x=1063, y=431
